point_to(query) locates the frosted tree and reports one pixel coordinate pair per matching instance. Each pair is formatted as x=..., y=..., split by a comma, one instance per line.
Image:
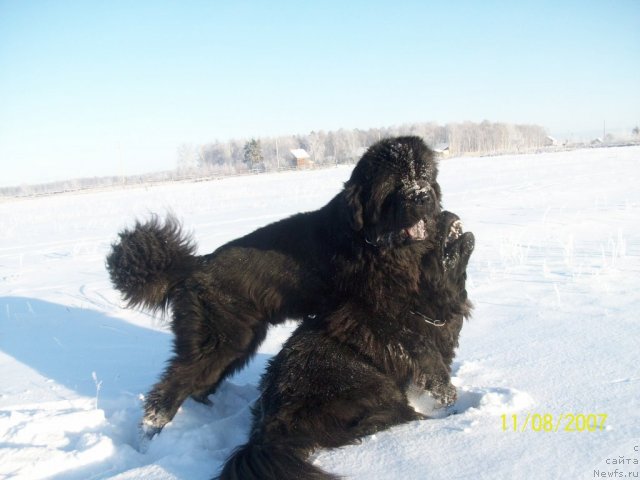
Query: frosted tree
x=253, y=154
x=187, y=157
x=316, y=143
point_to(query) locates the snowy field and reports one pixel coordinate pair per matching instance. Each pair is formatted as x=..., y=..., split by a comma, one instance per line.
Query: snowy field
x=553, y=344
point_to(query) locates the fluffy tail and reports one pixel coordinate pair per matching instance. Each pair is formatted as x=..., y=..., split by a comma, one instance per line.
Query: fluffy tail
x=255, y=461
x=149, y=261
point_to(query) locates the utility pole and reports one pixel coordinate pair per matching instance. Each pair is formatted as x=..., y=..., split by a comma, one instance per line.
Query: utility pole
x=120, y=164
x=277, y=154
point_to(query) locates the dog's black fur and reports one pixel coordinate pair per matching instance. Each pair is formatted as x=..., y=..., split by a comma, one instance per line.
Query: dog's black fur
x=345, y=374
x=223, y=303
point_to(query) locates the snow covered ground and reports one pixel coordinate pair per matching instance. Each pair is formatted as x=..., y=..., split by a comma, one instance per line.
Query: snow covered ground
x=555, y=279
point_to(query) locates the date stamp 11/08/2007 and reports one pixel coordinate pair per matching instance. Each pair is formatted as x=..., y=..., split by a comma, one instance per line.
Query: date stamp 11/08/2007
x=547, y=422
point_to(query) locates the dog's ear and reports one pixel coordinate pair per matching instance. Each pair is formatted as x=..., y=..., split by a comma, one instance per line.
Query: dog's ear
x=354, y=207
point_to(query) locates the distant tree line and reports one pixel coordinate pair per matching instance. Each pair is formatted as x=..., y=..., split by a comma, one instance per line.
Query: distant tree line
x=89, y=183
x=254, y=155
x=346, y=146
x=324, y=148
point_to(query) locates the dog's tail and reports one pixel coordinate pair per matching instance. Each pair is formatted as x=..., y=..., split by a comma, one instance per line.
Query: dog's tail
x=149, y=261
x=256, y=461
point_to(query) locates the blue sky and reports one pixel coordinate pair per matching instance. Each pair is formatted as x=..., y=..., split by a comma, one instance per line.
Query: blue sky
x=98, y=88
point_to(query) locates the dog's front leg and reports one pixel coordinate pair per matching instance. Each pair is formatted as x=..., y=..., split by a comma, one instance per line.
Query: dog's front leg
x=433, y=376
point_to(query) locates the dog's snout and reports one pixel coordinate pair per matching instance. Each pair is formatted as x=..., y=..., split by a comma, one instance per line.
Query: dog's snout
x=420, y=196
x=426, y=198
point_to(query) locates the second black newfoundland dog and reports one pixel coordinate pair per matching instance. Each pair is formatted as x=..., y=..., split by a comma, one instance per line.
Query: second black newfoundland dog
x=345, y=374
x=223, y=303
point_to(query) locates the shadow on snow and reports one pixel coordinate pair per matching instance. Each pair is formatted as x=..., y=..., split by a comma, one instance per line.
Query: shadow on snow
x=68, y=344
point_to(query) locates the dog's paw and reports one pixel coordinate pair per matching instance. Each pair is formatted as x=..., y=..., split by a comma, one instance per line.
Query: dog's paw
x=444, y=393
x=449, y=228
x=456, y=254
x=454, y=231
x=151, y=425
x=456, y=245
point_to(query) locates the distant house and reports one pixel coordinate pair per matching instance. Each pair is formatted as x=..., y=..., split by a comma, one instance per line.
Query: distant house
x=597, y=141
x=442, y=149
x=549, y=141
x=301, y=159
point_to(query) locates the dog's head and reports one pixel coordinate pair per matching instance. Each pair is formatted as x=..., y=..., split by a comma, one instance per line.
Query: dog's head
x=393, y=197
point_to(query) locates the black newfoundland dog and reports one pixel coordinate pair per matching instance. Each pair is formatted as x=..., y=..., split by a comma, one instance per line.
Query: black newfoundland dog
x=345, y=374
x=307, y=264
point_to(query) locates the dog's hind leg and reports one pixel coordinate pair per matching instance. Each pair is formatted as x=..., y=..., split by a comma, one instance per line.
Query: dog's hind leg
x=179, y=381
x=166, y=396
x=197, y=373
